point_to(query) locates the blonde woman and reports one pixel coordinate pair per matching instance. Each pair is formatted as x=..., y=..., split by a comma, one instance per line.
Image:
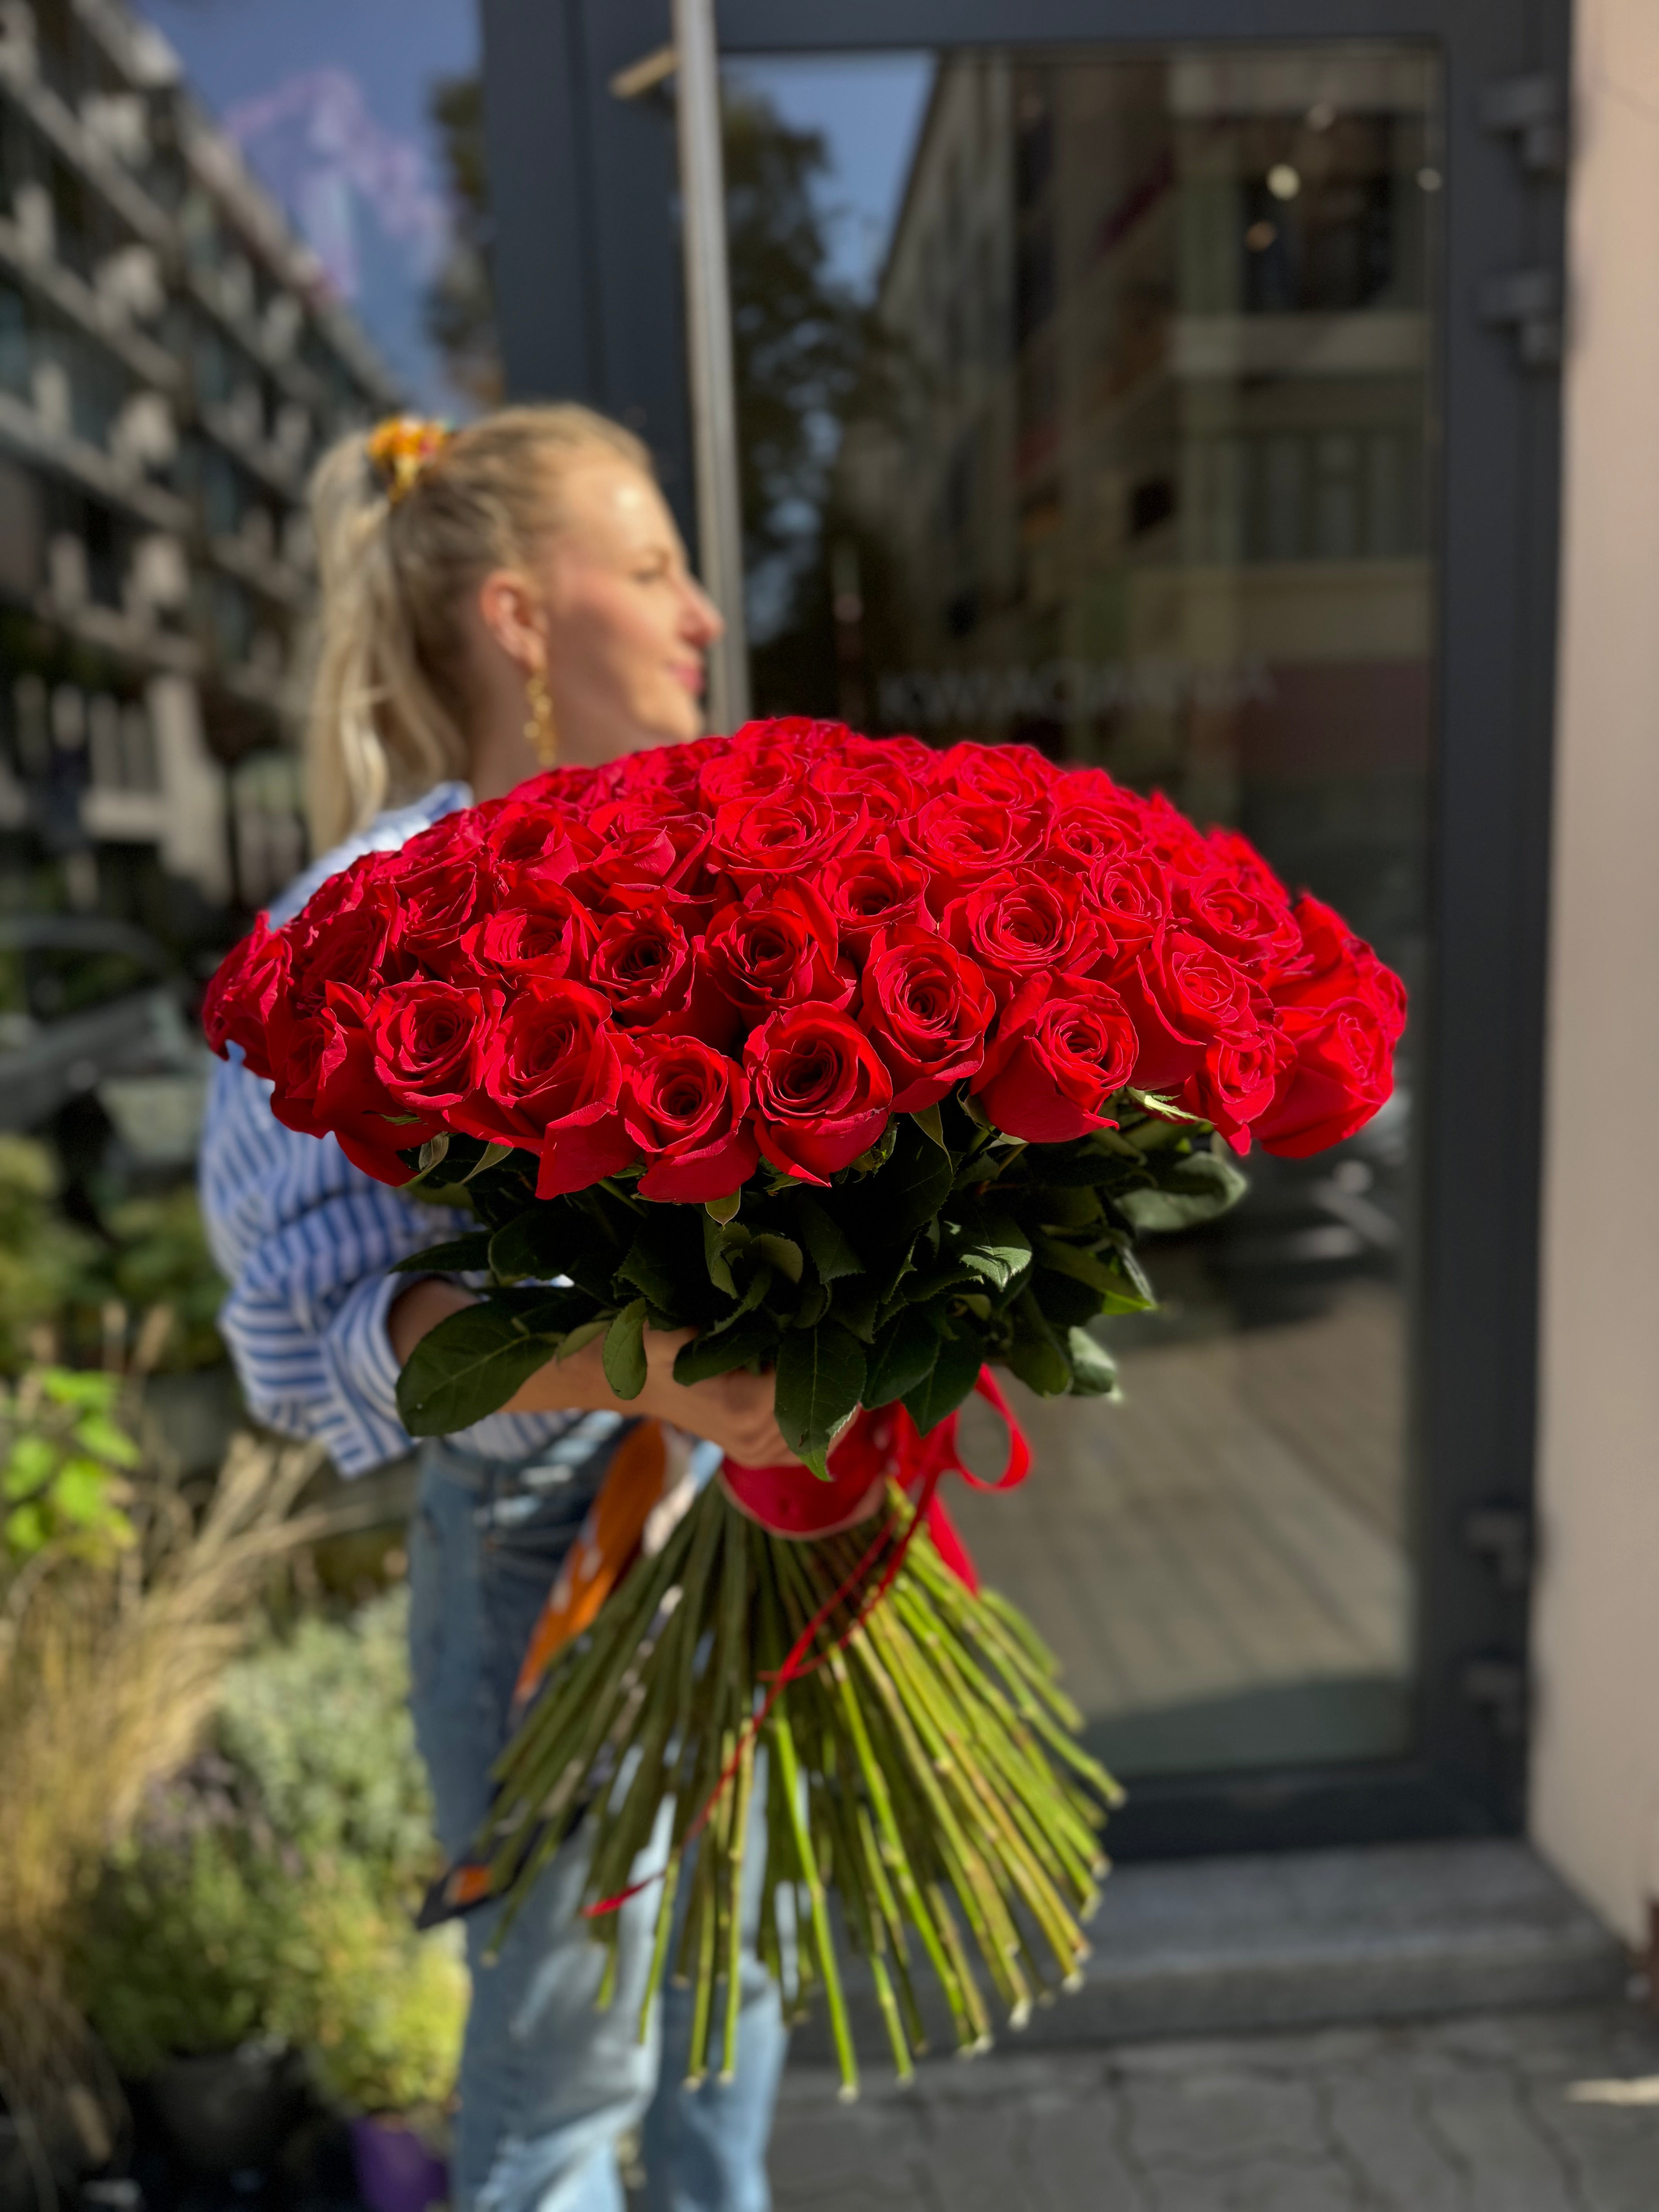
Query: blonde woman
x=491, y=600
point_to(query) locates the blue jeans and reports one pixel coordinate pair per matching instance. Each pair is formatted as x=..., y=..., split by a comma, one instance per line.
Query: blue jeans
x=548, y=2083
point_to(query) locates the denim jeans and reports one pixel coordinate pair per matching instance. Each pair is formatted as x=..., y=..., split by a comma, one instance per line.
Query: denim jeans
x=548, y=2083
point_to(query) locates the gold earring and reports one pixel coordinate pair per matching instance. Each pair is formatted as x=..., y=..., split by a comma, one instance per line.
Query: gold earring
x=541, y=732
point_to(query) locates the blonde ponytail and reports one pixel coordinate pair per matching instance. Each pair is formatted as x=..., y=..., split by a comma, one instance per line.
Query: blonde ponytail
x=389, y=693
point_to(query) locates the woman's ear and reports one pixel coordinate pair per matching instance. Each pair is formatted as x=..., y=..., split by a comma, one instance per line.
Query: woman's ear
x=510, y=608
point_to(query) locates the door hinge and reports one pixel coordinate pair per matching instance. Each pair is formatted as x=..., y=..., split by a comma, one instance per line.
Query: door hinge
x=1498, y=1686
x=1502, y=1535
x=1527, y=302
x=1532, y=111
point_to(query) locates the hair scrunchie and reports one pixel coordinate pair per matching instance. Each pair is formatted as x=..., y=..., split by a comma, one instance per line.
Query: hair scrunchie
x=403, y=447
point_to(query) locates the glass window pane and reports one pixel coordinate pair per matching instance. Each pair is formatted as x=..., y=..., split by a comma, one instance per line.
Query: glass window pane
x=1085, y=401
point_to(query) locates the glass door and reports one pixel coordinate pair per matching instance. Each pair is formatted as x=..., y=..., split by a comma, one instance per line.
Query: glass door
x=1171, y=402
x=1104, y=421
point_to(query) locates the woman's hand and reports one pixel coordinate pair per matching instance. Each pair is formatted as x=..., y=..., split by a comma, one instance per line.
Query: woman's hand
x=736, y=1411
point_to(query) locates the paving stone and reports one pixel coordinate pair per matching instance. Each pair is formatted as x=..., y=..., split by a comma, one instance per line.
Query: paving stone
x=1451, y=2115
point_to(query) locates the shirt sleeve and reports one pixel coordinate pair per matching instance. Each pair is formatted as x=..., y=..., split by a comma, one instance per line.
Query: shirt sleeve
x=306, y=1241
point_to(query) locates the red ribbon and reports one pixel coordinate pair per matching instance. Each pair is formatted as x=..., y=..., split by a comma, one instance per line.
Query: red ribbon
x=883, y=1445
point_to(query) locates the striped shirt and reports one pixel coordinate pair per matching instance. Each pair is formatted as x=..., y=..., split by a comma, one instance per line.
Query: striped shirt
x=306, y=1240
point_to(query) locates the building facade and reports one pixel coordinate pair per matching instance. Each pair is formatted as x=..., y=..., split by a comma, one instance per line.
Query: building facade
x=170, y=367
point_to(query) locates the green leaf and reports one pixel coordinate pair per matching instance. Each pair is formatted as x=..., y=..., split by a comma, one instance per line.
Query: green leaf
x=469, y=1365
x=624, y=1350
x=98, y=1434
x=904, y=1356
x=706, y=1356
x=927, y=1120
x=1165, y=1109
x=555, y=1238
x=79, y=1492
x=993, y=1246
x=584, y=1333
x=1076, y=1261
x=1094, y=1370
x=491, y=1157
x=814, y=1305
x=461, y=1255
x=856, y=1302
x=1036, y=1354
x=1104, y=1157
x=434, y=1152
x=67, y=1386
x=723, y=1210
x=1193, y=1189
x=784, y=1254
x=1064, y=1301
x=30, y=1466
x=948, y=1383
x=27, y=1530
x=831, y=1254
x=713, y=1254
x=645, y=1267
x=821, y=1375
x=888, y=1207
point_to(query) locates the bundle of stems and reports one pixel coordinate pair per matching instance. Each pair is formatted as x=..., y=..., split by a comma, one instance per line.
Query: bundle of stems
x=922, y=1771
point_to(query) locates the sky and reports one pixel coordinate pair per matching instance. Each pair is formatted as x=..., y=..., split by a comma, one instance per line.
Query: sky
x=328, y=101
x=869, y=108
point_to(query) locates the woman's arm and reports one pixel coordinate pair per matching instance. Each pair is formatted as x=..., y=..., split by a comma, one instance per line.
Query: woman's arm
x=734, y=1411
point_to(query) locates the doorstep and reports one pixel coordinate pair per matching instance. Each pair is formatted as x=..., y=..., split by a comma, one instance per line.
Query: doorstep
x=1311, y=1939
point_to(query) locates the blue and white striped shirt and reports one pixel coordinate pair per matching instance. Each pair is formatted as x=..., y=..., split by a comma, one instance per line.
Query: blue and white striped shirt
x=306, y=1239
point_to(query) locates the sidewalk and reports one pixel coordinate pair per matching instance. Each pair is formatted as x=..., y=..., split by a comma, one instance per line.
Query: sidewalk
x=1516, y=2112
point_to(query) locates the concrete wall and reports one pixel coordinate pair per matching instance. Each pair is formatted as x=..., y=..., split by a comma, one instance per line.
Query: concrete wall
x=1596, y=1776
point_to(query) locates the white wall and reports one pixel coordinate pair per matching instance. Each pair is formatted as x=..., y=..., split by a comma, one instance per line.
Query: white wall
x=1596, y=1775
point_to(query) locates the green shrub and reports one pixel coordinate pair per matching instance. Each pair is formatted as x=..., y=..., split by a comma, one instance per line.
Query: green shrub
x=318, y=1723
x=63, y=1464
x=44, y=1260
x=385, y=2007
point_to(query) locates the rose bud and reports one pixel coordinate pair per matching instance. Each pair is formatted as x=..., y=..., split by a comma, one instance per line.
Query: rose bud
x=1237, y=1083
x=1133, y=899
x=819, y=1091
x=869, y=891
x=646, y=965
x=551, y=1076
x=1183, y=996
x=553, y=938
x=1063, y=1047
x=331, y=1082
x=1024, y=924
x=776, y=947
x=1234, y=915
x=786, y=835
x=240, y=998
x=928, y=1012
x=962, y=840
x=1339, y=965
x=1343, y=1070
x=426, y=1037
x=683, y=1106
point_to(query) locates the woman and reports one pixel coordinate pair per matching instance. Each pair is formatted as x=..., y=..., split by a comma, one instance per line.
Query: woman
x=491, y=600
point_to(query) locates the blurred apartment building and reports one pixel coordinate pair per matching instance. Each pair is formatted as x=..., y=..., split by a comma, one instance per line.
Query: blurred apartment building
x=1148, y=482
x=170, y=365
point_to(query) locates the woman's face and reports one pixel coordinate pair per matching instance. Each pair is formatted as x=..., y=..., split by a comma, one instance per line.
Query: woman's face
x=628, y=627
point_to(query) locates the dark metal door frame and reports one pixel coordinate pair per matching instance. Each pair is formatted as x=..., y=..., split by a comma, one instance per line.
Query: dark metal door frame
x=586, y=268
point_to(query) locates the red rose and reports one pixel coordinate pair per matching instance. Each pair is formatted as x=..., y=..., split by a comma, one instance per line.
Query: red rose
x=819, y=1091
x=1236, y=916
x=751, y=770
x=1338, y=965
x=559, y=787
x=1014, y=776
x=1133, y=899
x=1024, y=924
x=683, y=1106
x=775, y=948
x=1063, y=1047
x=1183, y=996
x=1169, y=836
x=786, y=835
x=867, y=891
x=962, y=840
x=251, y=979
x=543, y=842
x=1083, y=838
x=860, y=777
x=1343, y=1070
x=647, y=848
x=555, y=938
x=551, y=1076
x=438, y=901
x=646, y=967
x=427, y=1037
x=928, y=1011
x=1237, y=1083
x=330, y=1085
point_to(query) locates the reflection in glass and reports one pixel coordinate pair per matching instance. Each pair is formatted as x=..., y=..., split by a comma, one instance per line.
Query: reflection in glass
x=1120, y=444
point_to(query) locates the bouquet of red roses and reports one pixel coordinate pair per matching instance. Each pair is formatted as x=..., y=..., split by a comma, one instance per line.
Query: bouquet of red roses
x=869, y=1064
